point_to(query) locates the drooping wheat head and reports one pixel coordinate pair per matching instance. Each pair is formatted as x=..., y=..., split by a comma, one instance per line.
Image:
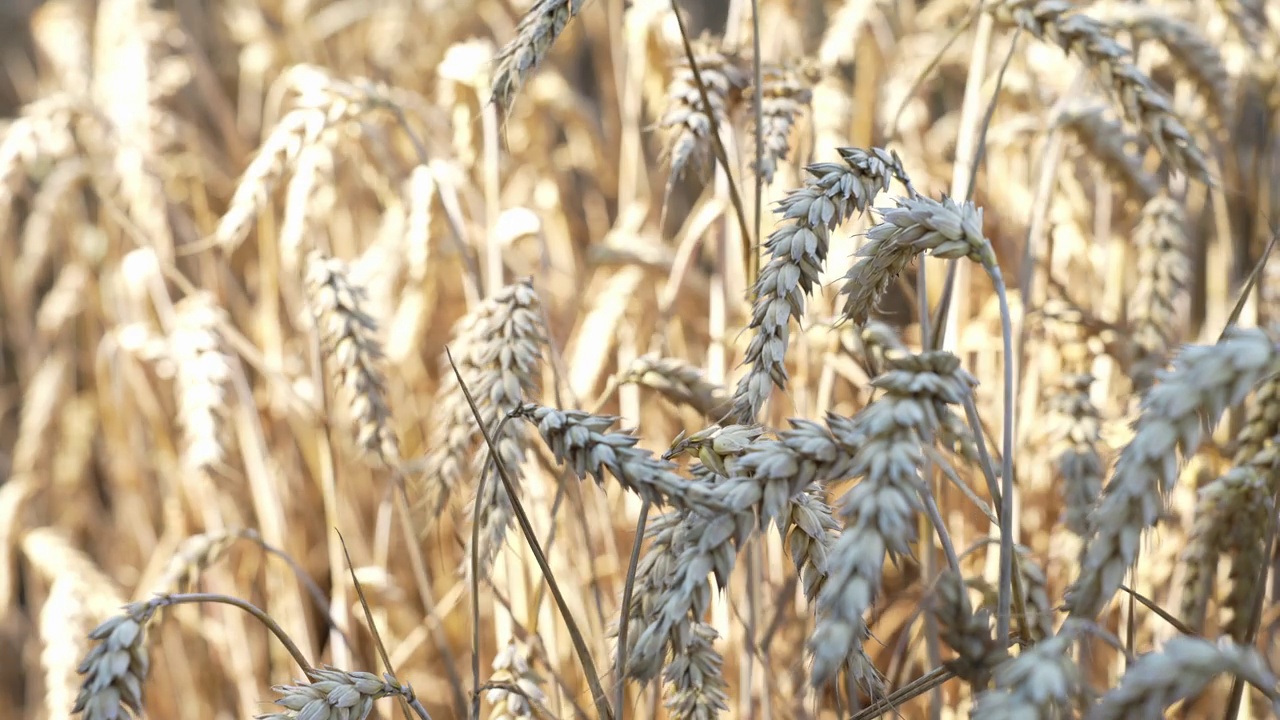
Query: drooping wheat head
x=1094, y=43
x=536, y=33
x=1164, y=272
x=880, y=511
x=498, y=350
x=1204, y=382
x=348, y=337
x=686, y=122
x=1179, y=670
x=944, y=229
x=833, y=193
x=966, y=632
x=678, y=381
x=334, y=694
x=784, y=96
x=1115, y=150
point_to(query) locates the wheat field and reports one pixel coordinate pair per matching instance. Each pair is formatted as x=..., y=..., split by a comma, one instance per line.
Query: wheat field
x=764, y=359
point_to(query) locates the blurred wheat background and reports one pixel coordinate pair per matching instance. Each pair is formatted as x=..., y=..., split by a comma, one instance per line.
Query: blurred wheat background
x=845, y=358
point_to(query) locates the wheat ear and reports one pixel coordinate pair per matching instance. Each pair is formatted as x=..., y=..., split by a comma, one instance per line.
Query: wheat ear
x=1075, y=432
x=686, y=123
x=1106, y=140
x=1093, y=42
x=1181, y=669
x=1041, y=682
x=880, y=512
x=1164, y=273
x=966, y=632
x=1229, y=512
x=944, y=229
x=497, y=348
x=518, y=689
x=832, y=194
x=784, y=97
x=536, y=33
x=1204, y=382
x=348, y=339
x=334, y=694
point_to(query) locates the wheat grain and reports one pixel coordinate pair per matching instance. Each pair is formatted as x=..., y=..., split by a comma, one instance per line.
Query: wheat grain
x=832, y=194
x=1204, y=382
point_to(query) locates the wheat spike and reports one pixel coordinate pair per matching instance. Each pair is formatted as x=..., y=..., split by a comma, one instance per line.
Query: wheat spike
x=348, y=338
x=1094, y=43
x=1204, y=382
x=832, y=194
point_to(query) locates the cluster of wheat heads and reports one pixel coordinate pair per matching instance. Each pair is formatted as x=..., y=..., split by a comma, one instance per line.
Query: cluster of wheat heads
x=784, y=358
